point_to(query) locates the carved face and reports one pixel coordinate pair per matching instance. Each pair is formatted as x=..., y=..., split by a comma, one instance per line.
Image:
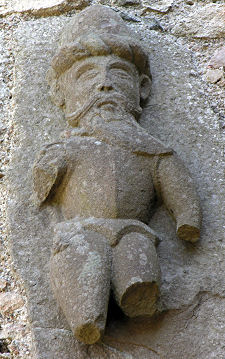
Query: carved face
x=108, y=82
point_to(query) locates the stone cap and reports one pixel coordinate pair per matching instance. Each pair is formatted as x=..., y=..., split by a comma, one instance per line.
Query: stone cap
x=98, y=31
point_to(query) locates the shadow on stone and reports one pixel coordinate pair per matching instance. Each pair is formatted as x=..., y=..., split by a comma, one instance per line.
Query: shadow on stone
x=114, y=312
x=4, y=346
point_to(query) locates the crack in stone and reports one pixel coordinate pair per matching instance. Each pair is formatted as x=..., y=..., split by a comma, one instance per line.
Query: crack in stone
x=201, y=297
x=135, y=344
x=51, y=328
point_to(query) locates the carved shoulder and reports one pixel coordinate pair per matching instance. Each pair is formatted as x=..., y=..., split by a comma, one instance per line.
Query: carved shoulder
x=48, y=170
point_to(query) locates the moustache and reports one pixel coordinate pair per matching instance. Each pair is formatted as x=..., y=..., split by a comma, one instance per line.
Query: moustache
x=98, y=101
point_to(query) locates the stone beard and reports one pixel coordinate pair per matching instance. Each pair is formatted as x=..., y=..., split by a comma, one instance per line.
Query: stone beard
x=105, y=177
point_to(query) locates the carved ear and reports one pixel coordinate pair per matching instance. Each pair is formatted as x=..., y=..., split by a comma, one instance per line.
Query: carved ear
x=145, y=87
x=56, y=93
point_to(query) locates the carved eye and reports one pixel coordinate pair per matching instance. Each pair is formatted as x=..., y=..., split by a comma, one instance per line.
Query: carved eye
x=87, y=73
x=121, y=73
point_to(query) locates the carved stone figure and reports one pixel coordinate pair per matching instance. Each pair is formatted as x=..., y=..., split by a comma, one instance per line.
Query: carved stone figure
x=106, y=175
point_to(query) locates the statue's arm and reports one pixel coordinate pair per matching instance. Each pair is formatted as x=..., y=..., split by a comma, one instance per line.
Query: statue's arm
x=179, y=195
x=48, y=170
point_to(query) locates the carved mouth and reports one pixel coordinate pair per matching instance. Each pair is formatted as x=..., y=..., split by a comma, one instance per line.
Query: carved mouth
x=113, y=100
x=109, y=102
x=105, y=102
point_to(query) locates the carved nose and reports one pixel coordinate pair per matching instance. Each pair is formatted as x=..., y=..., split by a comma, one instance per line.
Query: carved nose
x=105, y=87
x=105, y=83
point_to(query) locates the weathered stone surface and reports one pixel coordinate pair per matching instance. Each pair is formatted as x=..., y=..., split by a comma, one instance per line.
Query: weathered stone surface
x=189, y=2
x=162, y=6
x=42, y=7
x=218, y=59
x=192, y=275
x=126, y=2
x=4, y=91
x=9, y=302
x=205, y=21
x=3, y=284
x=214, y=76
x=192, y=325
x=57, y=343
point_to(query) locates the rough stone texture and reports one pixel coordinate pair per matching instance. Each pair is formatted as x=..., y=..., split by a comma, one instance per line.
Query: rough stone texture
x=192, y=275
x=218, y=59
x=121, y=2
x=125, y=2
x=214, y=76
x=162, y=6
x=42, y=7
x=13, y=341
x=3, y=284
x=203, y=22
x=10, y=302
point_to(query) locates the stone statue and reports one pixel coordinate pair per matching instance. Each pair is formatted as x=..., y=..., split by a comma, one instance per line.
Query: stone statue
x=106, y=175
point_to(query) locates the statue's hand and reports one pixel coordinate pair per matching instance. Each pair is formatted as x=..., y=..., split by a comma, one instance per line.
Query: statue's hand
x=48, y=170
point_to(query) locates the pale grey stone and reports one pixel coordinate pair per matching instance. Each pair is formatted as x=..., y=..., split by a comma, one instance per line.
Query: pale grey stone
x=218, y=59
x=214, y=75
x=54, y=343
x=42, y=7
x=161, y=6
x=206, y=21
x=4, y=90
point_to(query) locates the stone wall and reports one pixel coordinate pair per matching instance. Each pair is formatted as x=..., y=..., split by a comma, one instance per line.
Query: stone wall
x=186, y=112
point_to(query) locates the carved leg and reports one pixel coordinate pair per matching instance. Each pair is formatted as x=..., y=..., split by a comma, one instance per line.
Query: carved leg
x=135, y=275
x=80, y=274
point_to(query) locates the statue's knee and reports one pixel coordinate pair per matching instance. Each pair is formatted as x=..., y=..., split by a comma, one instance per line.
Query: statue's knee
x=82, y=242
